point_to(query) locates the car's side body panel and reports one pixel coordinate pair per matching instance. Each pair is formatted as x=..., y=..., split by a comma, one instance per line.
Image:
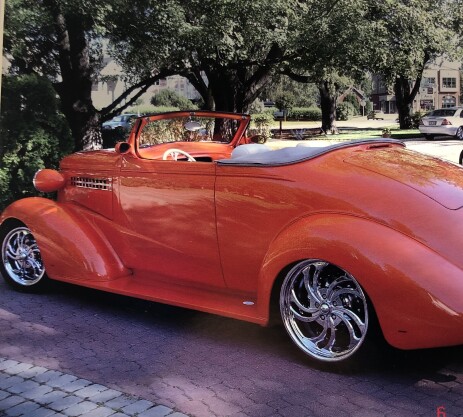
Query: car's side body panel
x=169, y=210
x=73, y=249
x=404, y=279
x=297, y=212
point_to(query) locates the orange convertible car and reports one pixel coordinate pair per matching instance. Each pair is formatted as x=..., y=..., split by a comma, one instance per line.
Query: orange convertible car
x=190, y=212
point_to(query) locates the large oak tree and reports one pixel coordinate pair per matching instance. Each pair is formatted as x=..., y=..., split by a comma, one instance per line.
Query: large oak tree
x=62, y=40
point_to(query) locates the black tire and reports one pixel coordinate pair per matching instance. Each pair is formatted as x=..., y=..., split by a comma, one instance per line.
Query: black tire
x=22, y=266
x=459, y=133
x=460, y=160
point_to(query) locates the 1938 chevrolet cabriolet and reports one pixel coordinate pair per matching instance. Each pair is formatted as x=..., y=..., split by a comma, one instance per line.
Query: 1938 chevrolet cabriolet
x=190, y=212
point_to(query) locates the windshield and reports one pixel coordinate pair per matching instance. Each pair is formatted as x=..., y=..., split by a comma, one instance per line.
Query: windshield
x=188, y=129
x=442, y=112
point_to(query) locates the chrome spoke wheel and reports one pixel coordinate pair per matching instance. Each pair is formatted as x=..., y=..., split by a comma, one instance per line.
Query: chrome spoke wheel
x=324, y=310
x=21, y=257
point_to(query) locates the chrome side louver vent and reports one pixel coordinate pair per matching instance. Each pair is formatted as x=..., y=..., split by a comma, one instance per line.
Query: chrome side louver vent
x=104, y=184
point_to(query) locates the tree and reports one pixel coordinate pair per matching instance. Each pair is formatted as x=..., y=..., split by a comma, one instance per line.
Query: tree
x=229, y=50
x=330, y=52
x=171, y=98
x=232, y=50
x=34, y=132
x=305, y=95
x=405, y=36
x=62, y=40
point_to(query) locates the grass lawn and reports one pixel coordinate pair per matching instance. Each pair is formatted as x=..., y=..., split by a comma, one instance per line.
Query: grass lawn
x=376, y=133
x=348, y=133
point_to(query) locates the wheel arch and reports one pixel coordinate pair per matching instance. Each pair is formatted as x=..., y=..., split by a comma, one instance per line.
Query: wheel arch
x=397, y=273
x=72, y=248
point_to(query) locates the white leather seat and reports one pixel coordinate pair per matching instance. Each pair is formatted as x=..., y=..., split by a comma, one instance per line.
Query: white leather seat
x=249, y=149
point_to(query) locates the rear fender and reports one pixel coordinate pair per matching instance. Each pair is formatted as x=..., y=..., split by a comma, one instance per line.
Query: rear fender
x=72, y=248
x=416, y=293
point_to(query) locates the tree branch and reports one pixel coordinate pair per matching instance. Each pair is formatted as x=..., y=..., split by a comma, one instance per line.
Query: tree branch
x=115, y=107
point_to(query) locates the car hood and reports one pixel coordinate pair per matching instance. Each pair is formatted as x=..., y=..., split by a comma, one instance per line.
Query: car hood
x=439, y=180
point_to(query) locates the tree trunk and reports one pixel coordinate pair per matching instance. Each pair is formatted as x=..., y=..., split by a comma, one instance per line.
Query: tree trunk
x=403, y=102
x=234, y=89
x=83, y=118
x=75, y=89
x=404, y=95
x=328, y=106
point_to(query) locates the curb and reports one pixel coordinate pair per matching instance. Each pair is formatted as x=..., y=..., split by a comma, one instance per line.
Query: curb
x=28, y=390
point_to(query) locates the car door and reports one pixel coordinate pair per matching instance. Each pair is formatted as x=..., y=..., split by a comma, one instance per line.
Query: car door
x=168, y=211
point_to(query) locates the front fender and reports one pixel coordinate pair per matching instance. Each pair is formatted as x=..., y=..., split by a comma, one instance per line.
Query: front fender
x=72, y=248
x=417, y=294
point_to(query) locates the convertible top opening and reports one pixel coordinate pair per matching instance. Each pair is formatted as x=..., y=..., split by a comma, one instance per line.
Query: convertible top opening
x=293, y=155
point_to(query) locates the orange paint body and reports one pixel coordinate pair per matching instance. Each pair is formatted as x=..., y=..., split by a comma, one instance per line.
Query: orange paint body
x=216, y=234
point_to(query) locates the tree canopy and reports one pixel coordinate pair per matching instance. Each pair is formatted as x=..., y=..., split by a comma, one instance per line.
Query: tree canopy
x=62, y=40
x=405, y=37
x=230, y=50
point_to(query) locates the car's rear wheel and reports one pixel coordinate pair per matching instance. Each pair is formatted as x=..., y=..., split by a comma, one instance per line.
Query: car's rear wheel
x=459, y=133
x=324, y=310
x=22, y=266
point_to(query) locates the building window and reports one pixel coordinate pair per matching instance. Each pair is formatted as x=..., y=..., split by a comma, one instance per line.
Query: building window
x=427, y=105
x=448, y=101
x=429, y=81
x=449, y=82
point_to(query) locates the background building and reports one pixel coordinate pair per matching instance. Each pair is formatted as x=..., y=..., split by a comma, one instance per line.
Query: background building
x=112, y=84
x=440, y=87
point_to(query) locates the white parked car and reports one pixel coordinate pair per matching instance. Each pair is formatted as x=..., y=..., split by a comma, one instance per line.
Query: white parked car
x=443, y=122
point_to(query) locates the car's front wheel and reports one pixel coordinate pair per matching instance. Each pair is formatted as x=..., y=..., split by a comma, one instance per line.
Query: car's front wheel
x=459, y=133
x=22, y=266
x=324, y=310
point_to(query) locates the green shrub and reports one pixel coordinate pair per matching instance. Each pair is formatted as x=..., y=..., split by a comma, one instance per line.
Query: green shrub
x=313, y=114
x=285, y=101
x=261, y=124
x=344, y=111
x=352, y=99
x=170, y=98
x=257, y=107
x=416, y=119
x=34, y=134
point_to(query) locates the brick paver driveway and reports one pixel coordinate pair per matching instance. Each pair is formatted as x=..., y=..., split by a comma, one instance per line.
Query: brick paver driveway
x=203, y=365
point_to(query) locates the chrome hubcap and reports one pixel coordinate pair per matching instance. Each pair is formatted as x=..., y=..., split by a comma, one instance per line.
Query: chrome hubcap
x=21, y=257
x=324, y=310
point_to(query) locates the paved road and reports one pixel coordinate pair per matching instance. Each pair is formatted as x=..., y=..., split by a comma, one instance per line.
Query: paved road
x=449, y=149
x=172, y=361
x=203, y=365
x=445, y=149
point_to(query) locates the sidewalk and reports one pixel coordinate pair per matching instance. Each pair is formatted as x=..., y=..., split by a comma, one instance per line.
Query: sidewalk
x=33, y=391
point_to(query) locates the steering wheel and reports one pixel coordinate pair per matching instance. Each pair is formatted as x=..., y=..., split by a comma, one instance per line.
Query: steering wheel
x=174, y=154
